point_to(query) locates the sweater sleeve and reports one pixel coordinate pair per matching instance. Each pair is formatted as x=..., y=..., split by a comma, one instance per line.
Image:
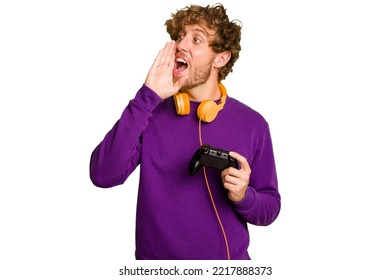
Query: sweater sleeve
x=262, y=202
x=117, y=156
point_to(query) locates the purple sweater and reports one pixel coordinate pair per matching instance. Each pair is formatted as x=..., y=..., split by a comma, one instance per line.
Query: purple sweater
x=175, y=217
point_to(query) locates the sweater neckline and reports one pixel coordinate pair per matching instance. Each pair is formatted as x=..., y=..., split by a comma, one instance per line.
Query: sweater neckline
x=195, y=104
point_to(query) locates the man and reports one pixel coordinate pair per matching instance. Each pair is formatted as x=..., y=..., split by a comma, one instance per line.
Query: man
x=203, y=216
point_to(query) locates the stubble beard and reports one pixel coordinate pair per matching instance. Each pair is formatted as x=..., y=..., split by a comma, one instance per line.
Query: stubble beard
x=199, y=76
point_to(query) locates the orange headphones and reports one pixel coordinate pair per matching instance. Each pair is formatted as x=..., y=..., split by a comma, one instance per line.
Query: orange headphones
x=207, y=110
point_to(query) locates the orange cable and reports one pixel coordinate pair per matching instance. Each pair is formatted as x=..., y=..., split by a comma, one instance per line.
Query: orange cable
x=212, y=199
x=200, y=132
x=216, y=213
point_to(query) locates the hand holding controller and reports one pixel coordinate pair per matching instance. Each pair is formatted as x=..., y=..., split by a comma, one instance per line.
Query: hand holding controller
x=211, y=157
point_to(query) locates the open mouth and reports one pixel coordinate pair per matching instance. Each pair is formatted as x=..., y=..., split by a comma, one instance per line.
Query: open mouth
x=180, y=65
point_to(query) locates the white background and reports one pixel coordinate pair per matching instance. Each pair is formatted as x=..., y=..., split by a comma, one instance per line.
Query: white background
x=317, y=70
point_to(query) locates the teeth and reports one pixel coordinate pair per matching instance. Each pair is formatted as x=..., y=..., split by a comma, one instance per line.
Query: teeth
x=181, y=60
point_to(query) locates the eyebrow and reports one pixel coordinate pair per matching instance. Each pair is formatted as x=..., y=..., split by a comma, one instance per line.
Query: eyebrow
x=200, y=30
x=203, y=32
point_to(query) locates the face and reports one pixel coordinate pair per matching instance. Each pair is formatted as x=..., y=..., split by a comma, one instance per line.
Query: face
x=194, y=57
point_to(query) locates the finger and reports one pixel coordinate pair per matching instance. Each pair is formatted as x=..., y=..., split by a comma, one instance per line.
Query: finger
x=242, y=160
x=234, y=190
x=230, y=173
x=165, y=55
x=225, y=173
x=171, y=54
x=229, y=179
x=229, y=187
x=157, y=60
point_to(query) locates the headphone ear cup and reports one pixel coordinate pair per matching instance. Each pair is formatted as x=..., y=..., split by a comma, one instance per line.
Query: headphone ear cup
x=182, y=103
x=207, y=111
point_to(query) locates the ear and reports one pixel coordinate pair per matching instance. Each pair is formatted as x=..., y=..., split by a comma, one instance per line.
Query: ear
x=222, y=58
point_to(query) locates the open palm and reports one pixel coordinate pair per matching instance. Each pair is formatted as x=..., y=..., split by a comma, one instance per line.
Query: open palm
x=160, y=77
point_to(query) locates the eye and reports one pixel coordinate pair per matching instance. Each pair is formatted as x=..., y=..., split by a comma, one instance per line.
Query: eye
x=179, y=36
x=197, y=40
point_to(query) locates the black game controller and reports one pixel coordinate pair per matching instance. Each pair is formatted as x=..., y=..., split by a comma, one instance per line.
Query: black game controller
x=211, y=157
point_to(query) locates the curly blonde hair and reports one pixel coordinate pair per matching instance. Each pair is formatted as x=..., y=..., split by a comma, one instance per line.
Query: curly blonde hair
x=227, y=33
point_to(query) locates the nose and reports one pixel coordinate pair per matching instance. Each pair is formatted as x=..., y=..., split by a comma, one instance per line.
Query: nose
x=182, y=44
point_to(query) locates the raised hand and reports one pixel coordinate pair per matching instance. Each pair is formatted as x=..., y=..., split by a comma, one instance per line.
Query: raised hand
x=160, y=76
